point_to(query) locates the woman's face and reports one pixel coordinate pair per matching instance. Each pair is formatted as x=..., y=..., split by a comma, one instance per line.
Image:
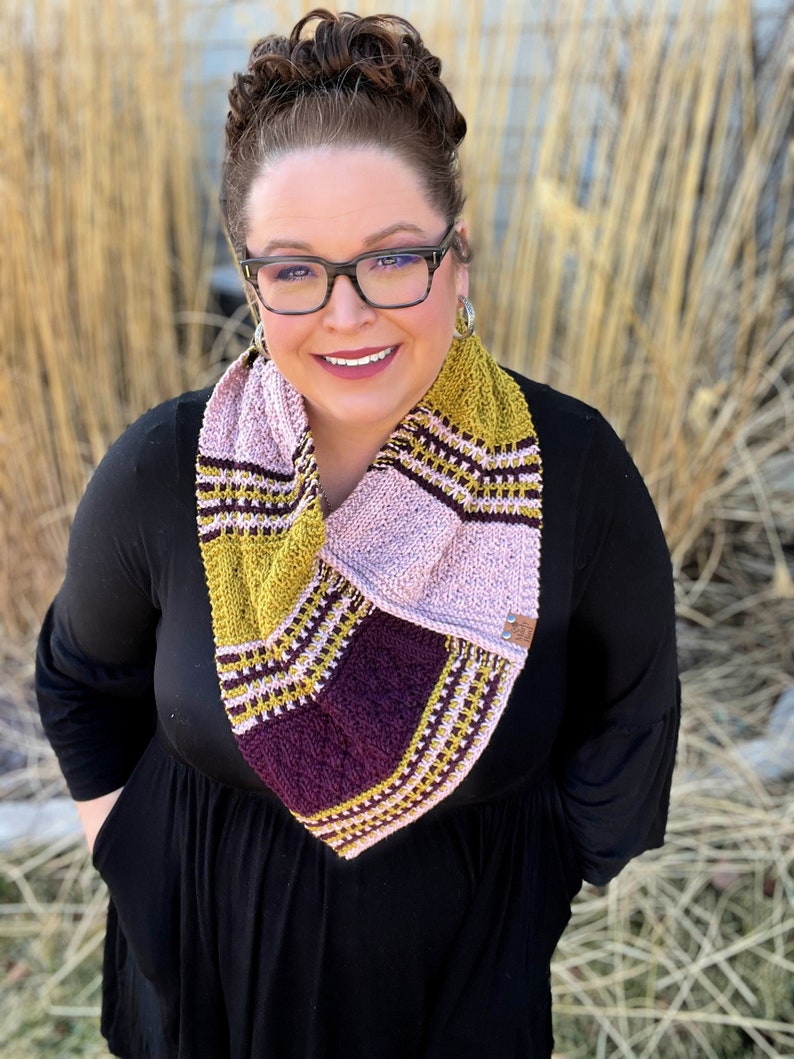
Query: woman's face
x=337, y=203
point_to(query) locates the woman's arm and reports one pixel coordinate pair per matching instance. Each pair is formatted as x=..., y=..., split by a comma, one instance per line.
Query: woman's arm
x=617, y=745
x=95, y=660
x=93, y=814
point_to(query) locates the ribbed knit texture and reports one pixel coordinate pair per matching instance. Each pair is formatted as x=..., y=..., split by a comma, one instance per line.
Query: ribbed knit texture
x=361, y=657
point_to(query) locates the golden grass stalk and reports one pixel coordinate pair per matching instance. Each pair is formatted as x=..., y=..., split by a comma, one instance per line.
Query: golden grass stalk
x=101, y=229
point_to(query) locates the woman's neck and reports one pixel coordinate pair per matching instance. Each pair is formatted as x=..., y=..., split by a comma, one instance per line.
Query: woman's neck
x=343, y=456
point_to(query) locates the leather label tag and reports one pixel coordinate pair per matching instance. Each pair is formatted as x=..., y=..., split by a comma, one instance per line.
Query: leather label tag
x=519, y=630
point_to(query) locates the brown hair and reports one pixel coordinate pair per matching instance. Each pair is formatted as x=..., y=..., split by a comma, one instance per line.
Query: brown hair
x=357, y=82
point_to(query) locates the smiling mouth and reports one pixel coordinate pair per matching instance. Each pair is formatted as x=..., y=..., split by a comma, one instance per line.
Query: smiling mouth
x=359, y=362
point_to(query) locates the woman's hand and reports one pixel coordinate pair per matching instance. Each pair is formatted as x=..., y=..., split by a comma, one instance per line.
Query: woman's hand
x=94, y=813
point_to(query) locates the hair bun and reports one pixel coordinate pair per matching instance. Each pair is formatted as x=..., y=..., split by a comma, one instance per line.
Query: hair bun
x=379, y=54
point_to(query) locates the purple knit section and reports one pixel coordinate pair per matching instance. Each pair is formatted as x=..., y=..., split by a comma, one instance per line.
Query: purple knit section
x=357, y=731
x=307, y=760
x=399, y=796
x=383, y=682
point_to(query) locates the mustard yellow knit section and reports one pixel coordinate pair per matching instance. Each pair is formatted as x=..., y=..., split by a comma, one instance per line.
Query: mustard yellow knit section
x=479, y=397
x=256, y=580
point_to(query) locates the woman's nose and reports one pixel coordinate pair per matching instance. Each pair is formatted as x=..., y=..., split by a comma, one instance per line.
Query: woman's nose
x=346, y=309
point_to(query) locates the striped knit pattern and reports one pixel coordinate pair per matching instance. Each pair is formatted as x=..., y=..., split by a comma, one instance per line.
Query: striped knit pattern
x=361, y=658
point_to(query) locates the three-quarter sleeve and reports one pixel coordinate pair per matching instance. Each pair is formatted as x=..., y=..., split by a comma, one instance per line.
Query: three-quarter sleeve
x=617, y=745
x=95, y=658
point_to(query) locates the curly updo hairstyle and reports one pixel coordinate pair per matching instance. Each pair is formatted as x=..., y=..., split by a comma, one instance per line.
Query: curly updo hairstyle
x=354, y=82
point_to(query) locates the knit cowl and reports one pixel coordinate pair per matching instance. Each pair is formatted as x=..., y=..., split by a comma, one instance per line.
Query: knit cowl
x=365, y=658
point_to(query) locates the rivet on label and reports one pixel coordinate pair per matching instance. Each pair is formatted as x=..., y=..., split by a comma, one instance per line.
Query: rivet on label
x=511, y=618
x=506, y=635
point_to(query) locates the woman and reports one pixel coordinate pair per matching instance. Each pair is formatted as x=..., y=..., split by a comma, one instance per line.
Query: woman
x=369, y=741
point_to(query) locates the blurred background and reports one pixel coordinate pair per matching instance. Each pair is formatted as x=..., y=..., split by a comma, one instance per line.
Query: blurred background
x=630, y=175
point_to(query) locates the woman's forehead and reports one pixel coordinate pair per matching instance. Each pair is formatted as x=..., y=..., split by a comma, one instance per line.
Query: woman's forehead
x=354, y=196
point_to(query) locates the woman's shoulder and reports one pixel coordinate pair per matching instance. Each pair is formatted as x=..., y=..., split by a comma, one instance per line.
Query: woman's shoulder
x=160, y=438
x=151, y=463
x=585, y=460
x=569, y=430
x=547, y=404
x=178, y=417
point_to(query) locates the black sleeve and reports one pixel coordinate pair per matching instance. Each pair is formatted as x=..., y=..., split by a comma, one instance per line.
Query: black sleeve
x=95, y=660
x=617, y=746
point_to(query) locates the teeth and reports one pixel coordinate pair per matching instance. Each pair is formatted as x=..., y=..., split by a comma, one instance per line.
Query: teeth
x=373, y=359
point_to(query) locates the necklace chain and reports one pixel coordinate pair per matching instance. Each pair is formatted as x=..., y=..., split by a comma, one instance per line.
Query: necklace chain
x=324, y=495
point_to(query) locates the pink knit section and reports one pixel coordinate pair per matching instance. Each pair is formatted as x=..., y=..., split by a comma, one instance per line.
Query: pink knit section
x=371, y=533
x=417, y=575
x=244, y=399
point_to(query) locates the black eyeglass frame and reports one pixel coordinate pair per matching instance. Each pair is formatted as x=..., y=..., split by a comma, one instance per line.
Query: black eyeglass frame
x=433, y=256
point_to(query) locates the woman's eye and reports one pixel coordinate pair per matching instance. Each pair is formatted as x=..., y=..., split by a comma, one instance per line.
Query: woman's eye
x=292, y=273
x=288, y=272
x=391, y=262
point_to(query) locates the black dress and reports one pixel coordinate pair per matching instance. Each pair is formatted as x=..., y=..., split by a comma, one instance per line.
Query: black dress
x=232, y=932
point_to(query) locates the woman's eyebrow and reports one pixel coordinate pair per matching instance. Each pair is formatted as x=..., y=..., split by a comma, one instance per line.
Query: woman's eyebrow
x=284, y=244
x=401, y=227
x=395, y=229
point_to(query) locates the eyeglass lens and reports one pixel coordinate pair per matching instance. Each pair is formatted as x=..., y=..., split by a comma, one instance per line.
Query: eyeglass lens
x=385, y=280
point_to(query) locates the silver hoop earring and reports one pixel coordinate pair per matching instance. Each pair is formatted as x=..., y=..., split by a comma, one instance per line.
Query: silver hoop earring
x=466, y=316
x=258, y=345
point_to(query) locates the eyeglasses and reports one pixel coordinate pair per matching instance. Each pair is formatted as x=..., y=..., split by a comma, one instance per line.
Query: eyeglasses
x=385, y=279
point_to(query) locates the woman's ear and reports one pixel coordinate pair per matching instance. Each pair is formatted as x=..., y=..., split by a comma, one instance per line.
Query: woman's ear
x=462, y=287
x=253, y=304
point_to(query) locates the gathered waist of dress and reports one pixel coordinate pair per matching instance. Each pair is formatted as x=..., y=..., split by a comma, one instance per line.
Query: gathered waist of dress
x=486, y=784
x=217, y=760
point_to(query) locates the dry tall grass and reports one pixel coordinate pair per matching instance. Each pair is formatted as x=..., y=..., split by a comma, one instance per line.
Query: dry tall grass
x=630, y=202
x=102, y=242
x=648, y=261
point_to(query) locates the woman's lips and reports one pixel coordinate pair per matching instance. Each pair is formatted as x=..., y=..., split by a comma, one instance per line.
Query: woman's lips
x=358, y=363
